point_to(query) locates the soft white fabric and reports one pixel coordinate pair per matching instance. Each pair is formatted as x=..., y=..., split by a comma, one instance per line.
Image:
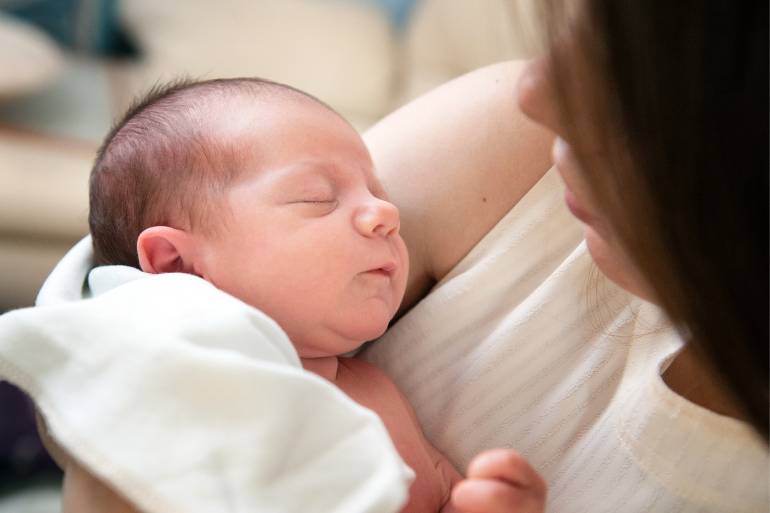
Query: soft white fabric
x=188, y=400
x=525, y=345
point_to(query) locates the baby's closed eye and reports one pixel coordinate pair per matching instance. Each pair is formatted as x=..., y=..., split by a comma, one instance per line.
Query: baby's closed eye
x=315, y=206
x=317, y=200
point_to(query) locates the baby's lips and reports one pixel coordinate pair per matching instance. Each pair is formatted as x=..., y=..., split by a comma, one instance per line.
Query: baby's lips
x=388, y=267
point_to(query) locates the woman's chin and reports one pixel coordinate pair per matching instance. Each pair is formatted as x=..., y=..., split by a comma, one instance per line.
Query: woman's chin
x=615, y=264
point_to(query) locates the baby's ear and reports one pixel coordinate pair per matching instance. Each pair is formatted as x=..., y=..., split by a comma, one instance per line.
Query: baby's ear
x=162, y=249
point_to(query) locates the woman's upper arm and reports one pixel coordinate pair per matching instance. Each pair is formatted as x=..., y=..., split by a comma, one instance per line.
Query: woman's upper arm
x=455, y=161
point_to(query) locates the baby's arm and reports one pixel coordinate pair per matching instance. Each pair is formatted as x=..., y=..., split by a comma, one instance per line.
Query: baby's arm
x=84, y=493
x=499, y=481
x=450, y=476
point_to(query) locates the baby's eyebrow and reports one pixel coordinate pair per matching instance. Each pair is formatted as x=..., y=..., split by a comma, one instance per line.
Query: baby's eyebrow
x=335, y=176
x=299, y=177
x=301, y=169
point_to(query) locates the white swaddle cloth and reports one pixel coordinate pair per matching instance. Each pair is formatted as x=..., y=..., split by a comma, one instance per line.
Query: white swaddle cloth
x=187, y=400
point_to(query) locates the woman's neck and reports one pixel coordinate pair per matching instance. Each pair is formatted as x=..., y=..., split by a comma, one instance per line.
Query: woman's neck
x=691, y=379
x=325, y=366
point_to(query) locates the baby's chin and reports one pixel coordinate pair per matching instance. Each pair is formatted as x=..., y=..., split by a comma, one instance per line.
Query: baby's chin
x=372, y=330
x=340, y=342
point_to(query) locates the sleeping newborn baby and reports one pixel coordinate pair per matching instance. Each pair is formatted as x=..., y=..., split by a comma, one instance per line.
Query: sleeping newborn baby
x=269, y=195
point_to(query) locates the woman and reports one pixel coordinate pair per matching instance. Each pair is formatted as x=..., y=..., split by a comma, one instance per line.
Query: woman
x=660, y=115
x=514, y=345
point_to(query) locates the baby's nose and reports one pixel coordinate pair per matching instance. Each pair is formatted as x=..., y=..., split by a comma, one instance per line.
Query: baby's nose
x=378, y=217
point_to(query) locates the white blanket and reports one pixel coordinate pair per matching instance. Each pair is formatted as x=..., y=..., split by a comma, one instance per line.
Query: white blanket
x=188, y=400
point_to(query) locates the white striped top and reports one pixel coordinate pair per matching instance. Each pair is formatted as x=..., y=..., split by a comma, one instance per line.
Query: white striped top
x=525, y=345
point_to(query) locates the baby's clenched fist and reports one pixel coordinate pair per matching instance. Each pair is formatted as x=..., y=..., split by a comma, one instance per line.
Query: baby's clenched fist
x=500, y=481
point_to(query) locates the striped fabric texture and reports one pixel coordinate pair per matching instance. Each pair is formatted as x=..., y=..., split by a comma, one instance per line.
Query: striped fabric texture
x=526, y=345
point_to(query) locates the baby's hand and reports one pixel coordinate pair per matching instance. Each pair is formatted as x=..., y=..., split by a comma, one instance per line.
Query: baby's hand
x=500, y=481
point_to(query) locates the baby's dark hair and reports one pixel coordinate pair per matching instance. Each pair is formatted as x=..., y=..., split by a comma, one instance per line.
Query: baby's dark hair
x=159, y=165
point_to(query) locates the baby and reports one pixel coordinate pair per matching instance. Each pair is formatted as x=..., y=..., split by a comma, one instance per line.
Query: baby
x=270, y=195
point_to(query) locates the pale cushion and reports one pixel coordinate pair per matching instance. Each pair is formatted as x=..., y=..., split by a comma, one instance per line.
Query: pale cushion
x=25, y=263
x=28, y=57
x=77, y=105
x=447, y=38
x=339, y=50
x=44, y=186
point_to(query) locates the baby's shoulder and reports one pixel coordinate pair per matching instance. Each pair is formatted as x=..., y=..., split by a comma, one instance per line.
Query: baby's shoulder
x=367, y=384
x=360, y=372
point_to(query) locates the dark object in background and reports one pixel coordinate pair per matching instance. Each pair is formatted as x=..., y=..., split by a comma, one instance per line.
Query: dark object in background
x=84, y=26
x=23, y=459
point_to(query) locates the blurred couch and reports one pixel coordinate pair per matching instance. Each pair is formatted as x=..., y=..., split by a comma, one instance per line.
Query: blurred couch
x=55, y=104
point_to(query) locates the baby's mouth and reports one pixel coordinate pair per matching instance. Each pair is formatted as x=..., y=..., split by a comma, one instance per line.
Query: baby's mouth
x=386, y=270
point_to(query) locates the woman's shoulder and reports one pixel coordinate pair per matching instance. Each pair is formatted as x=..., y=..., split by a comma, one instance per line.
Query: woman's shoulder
x=455, y=160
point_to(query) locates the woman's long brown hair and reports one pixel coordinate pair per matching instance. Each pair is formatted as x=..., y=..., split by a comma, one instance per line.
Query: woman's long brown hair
x=674, y=95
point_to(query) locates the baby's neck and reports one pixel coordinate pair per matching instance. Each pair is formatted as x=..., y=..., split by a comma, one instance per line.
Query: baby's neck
x=326, y=366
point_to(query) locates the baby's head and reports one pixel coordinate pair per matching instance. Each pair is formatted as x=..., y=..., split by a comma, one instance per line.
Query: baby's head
x=263, y=191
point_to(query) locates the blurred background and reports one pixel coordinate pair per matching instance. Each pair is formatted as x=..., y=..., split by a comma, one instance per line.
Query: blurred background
x=69, y=67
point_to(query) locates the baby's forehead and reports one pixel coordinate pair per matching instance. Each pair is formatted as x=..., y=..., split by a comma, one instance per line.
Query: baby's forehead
x=268, y=122
x=242, y=111
x=285, y=133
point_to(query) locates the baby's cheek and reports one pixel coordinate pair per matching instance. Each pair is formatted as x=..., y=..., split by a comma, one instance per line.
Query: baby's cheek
x=403, y=272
